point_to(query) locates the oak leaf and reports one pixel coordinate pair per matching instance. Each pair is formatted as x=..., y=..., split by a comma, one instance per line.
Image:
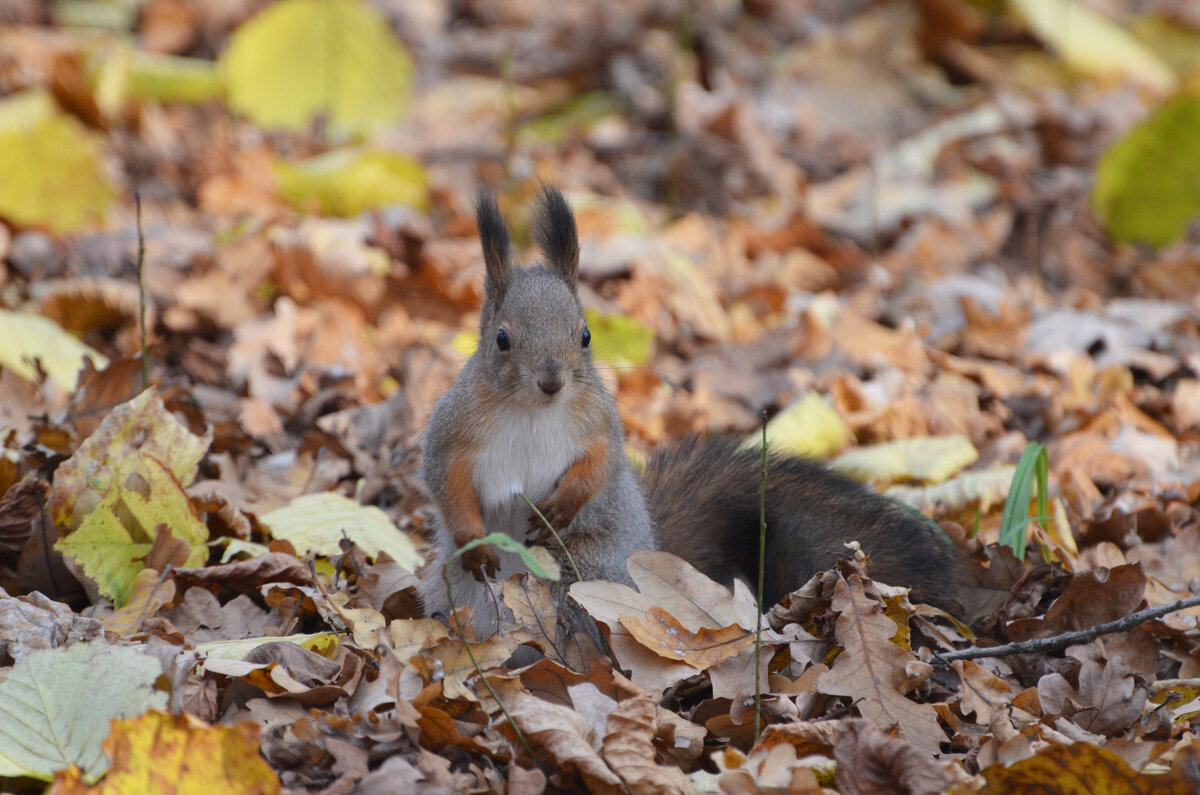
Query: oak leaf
x=875, y=671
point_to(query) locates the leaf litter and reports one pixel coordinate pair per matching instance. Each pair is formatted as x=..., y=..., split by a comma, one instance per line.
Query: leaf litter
x=877, y=225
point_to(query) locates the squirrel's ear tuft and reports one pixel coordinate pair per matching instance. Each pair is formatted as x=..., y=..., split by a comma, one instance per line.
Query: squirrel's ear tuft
x=554, y=229
x=493, y=234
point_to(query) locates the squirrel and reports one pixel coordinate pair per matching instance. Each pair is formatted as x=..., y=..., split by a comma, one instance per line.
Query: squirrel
x=529, y=415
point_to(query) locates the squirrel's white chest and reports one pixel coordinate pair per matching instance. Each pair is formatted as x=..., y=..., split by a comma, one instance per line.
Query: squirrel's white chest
x=527, y=452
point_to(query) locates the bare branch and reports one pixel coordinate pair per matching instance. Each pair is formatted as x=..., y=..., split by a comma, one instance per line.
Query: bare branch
x=1056, y=642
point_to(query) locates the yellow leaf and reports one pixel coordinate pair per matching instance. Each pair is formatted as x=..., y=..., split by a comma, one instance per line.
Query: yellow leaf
x=347, y=181
x=28, y=337
x=316, y=523
x=139, y=427
x=179, y=754
x=808, y=427
x=619, y=339
x=1093, y=44
x=928, y=458
x=300, y=58
x=50, y=171
x=123, y=481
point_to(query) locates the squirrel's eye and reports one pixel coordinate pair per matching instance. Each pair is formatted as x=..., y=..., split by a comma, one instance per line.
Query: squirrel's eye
x=502, y=340
x=587, y=337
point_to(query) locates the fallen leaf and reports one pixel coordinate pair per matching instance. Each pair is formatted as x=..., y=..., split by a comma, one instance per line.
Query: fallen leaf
x=149, y=592
x=565, y=737
x=628, y=748
x=870, y=761
x=662, y=633
x=1084, y=769
x=875, y=671
x=300, y=58
x=1093, y=44
x=179, y=754
x=317, y=523
x=32, y=338
x=1143, y=182
x=931, y=459
x=48, y=727
x=51, y=166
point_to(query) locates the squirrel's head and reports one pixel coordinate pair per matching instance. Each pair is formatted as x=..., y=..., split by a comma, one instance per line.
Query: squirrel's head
x=533, y=340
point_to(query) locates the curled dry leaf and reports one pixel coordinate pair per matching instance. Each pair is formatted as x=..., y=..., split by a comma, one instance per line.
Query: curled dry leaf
x=660, y=632
x=567, y=739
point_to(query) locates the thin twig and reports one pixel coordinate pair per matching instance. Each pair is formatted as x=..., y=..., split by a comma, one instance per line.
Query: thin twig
x=762, y=558
x=141, y=261
x=1057, y=642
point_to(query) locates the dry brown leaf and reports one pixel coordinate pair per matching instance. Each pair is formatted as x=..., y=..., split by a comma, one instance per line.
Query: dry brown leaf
x=870, y=762
x=774, y=769
x=1091, y=597
x=673, y=585
x=875, y=671
x=450, y=661
x=167, y=550
x=533, y=609
x=982, y=692
x=247, y=576
x=871, y=345
x=1107, y=701
x=566, y=738
x=410, y=635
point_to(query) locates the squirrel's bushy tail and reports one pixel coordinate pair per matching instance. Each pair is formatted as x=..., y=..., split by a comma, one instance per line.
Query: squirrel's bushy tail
x=703, y=499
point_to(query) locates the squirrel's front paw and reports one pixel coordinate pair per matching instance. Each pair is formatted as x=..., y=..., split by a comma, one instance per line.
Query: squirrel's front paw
x=478, y=560
x=538, y=532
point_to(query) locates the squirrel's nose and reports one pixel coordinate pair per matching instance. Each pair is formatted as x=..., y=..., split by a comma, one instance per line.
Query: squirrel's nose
x=550, y=384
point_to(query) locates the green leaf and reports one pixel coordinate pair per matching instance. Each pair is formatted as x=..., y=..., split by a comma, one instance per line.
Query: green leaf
x=1014, y=521
x=57, y=705
x=808, y=427
x=347, y=181
x=28, y=337
x=50, y=172
x=300, y=58
x=619, y=339
x=507, y=543
x=112, y=540
x=1093, y=44
x=928, y=458
x=316, y=523
x=1148, y=182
